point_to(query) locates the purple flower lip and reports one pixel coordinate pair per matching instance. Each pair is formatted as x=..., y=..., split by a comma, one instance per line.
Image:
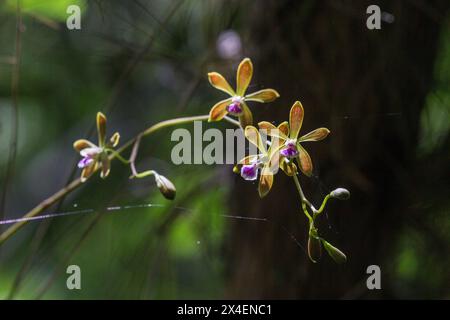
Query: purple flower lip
x=86, y=161
x=88, y=155
x=249, y=172
x=235, y=109
x=290, y=151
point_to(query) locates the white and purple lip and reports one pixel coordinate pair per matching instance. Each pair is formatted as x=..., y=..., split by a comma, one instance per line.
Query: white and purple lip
x=249, y=171
x=235, y=107
x=88, y=155
x=290, y=150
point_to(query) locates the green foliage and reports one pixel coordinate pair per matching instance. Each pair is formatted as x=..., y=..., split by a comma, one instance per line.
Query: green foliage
x=51, y=9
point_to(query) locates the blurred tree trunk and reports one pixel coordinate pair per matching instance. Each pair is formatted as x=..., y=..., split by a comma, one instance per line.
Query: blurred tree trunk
x=368, y=87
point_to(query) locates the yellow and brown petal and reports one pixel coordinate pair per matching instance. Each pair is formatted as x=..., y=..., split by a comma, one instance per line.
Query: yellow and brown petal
x=267, y=173
x=315, y=135
x=263, y=96
x=281, y=131
x=88, y=171
x=253, y=136
x=220, y=83
x=244, y=76
x=219, y=110
x=304, y=161
x=106, y=165
x=295, y=119
x=101, y=128
x=288, y=166
x=265, y=184
x=81, y=144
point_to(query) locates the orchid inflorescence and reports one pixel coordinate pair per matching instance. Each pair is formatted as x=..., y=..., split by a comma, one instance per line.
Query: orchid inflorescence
x=278, y=147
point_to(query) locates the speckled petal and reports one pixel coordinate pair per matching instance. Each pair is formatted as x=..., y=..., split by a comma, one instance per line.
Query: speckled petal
x=219, y=110
x=315, y=135
x=295, y=119
x=263, y=96
x=265, y=183
x=244, y=76
x=305, y=162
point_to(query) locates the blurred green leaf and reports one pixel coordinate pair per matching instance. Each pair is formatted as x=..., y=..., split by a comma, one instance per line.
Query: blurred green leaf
x=53, y=9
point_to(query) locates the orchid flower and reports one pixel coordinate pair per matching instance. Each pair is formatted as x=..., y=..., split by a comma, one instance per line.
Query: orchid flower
x=282, y=130
x=236, y=105
x=94, y=155
x=292, y=143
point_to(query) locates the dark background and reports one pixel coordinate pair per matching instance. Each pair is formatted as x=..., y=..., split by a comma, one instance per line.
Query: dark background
x=384, y=94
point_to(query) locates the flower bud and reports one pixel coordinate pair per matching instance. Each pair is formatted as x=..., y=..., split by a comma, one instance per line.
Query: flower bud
x=314, y=249
x=166, y=187
x=337, y=255
x=340, y=193
x=236, y=170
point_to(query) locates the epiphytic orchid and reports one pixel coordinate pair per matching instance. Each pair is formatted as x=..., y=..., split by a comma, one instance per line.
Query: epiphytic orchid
x=95, y=155
x=284, y=146
x=292, y=143
x=236, y=105
x=264, y=163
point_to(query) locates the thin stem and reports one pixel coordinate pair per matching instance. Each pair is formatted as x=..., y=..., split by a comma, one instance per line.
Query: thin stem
x=299, y=187
x=143, y=174
x=232, y=121
x=302, y=198
x=39, y=208
x=324, y=203
x=161, y=125
x=152, y=129
x=302, y=195
x=118, y=156
x=134, y=155
x=173, y=122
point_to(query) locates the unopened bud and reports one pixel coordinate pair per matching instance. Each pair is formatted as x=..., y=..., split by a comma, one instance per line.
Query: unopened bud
x=340, y=193
x=166, y=187
x=236, y=169
x=314, y=249
x=337, y=255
